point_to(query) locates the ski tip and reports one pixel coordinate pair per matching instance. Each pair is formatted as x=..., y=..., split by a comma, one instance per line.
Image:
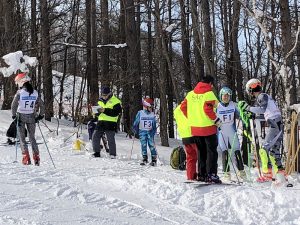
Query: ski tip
x=289, y=185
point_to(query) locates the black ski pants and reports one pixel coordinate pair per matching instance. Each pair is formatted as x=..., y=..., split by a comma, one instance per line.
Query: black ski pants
x=207, y=154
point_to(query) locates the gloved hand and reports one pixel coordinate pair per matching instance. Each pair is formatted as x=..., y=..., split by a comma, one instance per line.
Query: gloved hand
x=38, y=118
x=243, y=106
x=100, y=110
x=218, y=122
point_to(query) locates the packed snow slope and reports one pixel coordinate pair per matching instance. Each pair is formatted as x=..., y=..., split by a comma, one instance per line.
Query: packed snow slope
x=85, y=190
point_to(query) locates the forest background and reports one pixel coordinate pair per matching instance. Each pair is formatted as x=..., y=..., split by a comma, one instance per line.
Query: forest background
x=156, y=48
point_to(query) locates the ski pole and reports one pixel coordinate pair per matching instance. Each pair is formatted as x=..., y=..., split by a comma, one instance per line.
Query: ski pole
x=132, y=146
x=158, y=159
x=46, y=144
x=230, y=160
x=17, y=125
x=233, y=142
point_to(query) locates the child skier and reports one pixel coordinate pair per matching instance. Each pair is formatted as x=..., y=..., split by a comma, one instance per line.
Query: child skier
x=145, y=125
x=274, y=130
x=23, y=110
x=227, y=135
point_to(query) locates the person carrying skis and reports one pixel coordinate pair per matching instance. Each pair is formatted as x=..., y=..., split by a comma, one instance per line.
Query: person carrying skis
x=199, y=108
x=27, y=108
x=227, y=134
x=108, y=115
x=190, y=146
x=274, y=130
x=145, y=125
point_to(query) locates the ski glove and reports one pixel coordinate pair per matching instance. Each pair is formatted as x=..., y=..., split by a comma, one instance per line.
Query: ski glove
x=38, y=118
x=218, y=122
x=243, y=106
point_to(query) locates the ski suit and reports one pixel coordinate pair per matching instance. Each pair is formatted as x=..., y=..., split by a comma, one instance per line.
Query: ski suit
x=24, y=107
x=190, y=146
x=145, y=125
x=274, y=131
x=227, y=135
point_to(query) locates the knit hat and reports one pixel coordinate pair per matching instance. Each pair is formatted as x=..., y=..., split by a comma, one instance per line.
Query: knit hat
x=105, y=90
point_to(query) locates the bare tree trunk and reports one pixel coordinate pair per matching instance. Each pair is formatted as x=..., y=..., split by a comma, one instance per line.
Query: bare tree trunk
x=105, y=33
x=75, y=68
x=290, y=83
x=208, y=38
x=34, y=38
x=169, y=80
x=162, y=77
x=124, y=74
x=199, y=63
x=11, y=36
x=149, y=48
x=46, y=60
x=298, y=47
x=94, y=88
x=88, y=47
x=236, y=53
x=133, y=59
x=185, y=47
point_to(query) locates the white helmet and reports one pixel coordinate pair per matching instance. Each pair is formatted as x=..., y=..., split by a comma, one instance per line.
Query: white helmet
x=21, y=79
x=253, y=85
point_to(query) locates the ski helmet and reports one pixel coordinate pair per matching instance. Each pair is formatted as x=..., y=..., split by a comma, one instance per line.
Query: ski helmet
x=253, y=85
x=148, y=102
x=21, y=79
x=225, y=91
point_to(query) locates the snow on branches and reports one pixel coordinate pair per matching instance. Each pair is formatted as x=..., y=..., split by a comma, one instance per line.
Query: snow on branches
x=13, y=62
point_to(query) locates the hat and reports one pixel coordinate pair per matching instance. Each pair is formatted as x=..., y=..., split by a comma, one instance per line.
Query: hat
x=105, y=90
x=22, y=78
x=148, y=102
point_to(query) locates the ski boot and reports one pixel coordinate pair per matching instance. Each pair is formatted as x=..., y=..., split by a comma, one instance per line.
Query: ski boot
x=242, y=174
x=145, y=160
x=36, y=159
x=26, y=158
x=153, y=161
x=213, y=178
x=227, y=176
x=202, y=178
x=96, y=155
x=267, y=174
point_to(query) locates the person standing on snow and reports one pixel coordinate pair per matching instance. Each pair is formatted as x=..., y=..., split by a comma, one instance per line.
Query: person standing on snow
x=24, y=108
x=109, y=112
x=199, y=108
x=274, y=130
x=227, y=134
x=145, y=125
x=188, y=141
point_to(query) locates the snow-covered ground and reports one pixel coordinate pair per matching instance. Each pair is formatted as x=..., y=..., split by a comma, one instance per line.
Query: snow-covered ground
x=84, y=190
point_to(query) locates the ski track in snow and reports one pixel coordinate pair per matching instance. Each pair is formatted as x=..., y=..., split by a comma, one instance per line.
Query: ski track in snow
x=120, y=191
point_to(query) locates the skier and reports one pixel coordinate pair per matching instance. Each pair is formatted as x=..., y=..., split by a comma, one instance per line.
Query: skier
x=24, y=110
x=199, y=108
x=274, y=130
x=227, y=135
x=190, y=146
x=145, y=125
x=109, y=112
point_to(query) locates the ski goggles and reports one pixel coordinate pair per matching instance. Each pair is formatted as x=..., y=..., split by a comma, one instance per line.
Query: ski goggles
x=226, y=92
x=255, y=85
